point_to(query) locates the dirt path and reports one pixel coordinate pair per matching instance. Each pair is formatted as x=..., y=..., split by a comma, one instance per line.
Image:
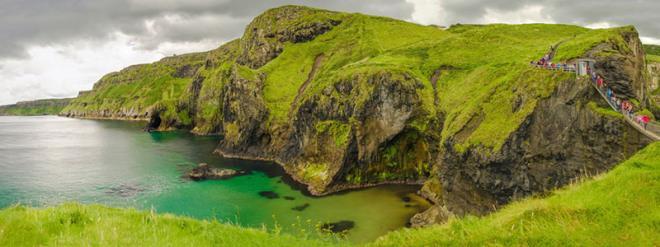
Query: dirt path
x=434, y=83
x=317, y=63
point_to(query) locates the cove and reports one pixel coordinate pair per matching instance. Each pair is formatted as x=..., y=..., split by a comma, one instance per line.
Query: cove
x=49, y=160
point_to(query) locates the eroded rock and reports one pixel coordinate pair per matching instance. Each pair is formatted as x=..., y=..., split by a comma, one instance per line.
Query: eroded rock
x=204, y=171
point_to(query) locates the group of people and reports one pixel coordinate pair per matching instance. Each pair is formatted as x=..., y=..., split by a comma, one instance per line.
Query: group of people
x=546, y=63
x=623, y=106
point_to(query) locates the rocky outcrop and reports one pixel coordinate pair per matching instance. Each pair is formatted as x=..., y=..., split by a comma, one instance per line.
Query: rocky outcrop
x=562, y=140
x=204, y=171
x=265, y=37
x=334, y=136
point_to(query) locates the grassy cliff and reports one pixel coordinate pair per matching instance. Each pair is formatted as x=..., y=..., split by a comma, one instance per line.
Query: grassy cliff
x=616, y=208
x=35, y=108
x=619, y=208
x=345, y=100
x=485, y=68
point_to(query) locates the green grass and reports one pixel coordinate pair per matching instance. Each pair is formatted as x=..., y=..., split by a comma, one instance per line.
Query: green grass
x=653, y=58
x=35, y=108
x=84, y=225
x=485, y=74
x=140, y=88
x=608, y=111
x=489, y=62
x=619, y=208
x=652, y=53
x=652, y=49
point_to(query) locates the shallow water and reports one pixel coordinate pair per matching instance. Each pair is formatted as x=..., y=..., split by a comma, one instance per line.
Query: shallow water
x=50, y=160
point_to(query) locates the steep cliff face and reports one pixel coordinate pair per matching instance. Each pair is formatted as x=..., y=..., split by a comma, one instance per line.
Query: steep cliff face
x=570, y=134
x=347, y=100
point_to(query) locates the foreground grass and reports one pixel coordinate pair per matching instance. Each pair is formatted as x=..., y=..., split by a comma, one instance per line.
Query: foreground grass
x=94, y=225
x=618, y=208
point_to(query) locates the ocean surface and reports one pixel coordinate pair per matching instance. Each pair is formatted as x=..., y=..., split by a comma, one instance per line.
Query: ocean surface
x=50, y=160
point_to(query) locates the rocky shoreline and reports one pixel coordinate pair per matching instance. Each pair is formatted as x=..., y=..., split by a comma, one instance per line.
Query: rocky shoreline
x=311, y=192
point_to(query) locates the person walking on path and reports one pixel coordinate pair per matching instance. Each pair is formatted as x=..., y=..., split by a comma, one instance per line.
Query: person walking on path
x=645, y=119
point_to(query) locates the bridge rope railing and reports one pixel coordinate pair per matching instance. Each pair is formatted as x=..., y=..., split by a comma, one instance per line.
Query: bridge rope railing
x=635, y=120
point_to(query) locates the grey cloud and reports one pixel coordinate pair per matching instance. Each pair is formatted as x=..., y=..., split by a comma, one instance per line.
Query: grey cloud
x=39, y=22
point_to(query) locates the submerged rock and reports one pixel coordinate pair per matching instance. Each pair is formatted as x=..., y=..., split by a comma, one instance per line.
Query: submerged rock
x=289, y=198
x=124, y=190
x=301, y=207
x=204, y=171
x=269, y=194
x=339, y=226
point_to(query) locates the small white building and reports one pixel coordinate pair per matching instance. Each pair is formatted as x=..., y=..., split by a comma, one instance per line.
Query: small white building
x=583, y=65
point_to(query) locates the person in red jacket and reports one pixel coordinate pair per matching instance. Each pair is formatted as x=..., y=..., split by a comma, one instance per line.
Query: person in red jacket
x=645, y=120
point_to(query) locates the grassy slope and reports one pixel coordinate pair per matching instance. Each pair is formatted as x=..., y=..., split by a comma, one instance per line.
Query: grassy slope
x=620, y=208
x=489, y=73
x=490, y=67
x=140, y=87
x=35, y=108
x=652, y=53
x=616, y=208
x=78, y=225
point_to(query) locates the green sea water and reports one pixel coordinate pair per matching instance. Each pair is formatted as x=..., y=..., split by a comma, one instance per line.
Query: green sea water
x=49, y=160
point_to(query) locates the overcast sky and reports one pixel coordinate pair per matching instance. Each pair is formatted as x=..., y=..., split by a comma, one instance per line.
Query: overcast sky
x=55, y=48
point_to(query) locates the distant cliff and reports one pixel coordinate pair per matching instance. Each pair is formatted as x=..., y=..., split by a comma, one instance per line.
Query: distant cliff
x=35, y=108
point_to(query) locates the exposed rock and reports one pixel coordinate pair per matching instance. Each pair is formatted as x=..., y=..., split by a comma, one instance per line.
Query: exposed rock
x=339, y=226
x=301, y=207
x=204, y=171
x=125, y=190
x=434, y=215
x=269, y=194
x=264, y=38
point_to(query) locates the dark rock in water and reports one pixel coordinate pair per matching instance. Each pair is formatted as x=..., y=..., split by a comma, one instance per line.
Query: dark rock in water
x=124, y=190
x=301, y=207
x=154, y=123
x=408, y=205
x=406, y=199
x=204, y=171
x=269, y=194
x=290, y=198
x=339, y=226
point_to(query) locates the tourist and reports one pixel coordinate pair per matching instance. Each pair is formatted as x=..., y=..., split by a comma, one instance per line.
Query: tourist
x=599, y=81
x=645, y=120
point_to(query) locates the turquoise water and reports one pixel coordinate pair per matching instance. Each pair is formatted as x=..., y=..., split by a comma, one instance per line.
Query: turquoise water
x=49, y=160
